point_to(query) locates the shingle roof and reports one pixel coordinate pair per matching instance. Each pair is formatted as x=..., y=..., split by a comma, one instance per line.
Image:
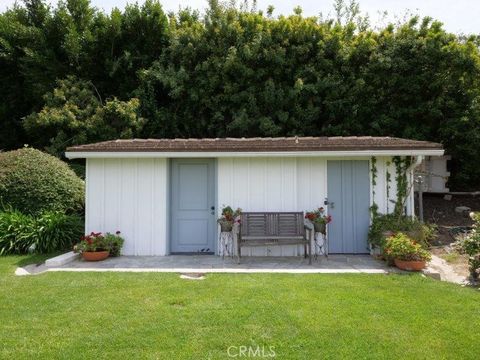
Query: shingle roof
x=350, y=143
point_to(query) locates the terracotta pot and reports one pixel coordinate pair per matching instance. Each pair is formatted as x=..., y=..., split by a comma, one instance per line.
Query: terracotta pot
x=321, y=228
x=410, y=265
x=95, y=255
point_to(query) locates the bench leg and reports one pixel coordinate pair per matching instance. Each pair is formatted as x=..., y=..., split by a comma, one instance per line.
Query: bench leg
x=305, y=251
x=239, y=254
x=310, y=253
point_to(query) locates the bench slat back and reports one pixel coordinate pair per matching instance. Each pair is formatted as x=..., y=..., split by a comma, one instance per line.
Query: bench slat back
x=272, y=224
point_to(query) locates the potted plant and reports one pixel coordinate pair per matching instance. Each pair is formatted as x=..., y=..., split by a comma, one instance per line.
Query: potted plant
x=406, y=253
x=114, y=243
x=319, y=219
x=228, y=218
x=92, y=247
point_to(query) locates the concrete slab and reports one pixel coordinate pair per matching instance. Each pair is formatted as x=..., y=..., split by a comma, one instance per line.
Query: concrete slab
x=439, y=268
x=215, y=264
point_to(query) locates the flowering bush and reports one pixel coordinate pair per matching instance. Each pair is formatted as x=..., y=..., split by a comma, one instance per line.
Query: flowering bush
x=91, y=243
x=400, y=246
x=471, y=246
x=318, y=216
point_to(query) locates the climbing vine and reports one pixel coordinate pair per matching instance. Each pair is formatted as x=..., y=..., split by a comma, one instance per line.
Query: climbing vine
x=388, y=178
x=374, y=172
x=401, y=165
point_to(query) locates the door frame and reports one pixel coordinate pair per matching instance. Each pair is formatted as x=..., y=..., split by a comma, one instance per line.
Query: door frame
x=170, y=202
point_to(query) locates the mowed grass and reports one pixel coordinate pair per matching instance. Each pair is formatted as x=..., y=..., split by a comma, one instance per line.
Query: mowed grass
x=160, y=316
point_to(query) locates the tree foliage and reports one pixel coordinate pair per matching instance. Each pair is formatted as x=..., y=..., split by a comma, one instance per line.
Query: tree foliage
x=73, y=114
x=236, y=71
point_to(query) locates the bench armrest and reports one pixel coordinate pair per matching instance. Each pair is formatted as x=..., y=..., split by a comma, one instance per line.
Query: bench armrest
x=308, y=224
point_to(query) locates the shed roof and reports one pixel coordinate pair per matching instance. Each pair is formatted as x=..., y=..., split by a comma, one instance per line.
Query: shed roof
x=278, y=144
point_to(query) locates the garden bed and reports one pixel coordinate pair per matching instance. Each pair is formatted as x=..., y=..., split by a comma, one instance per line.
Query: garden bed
x=451, y=226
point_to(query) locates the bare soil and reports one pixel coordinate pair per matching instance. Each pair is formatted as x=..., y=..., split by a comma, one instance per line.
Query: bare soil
x=442, y=213
x=439, y=211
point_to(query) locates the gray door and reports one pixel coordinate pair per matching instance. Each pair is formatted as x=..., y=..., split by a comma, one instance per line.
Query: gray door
x=192, y=206
x=349, y=205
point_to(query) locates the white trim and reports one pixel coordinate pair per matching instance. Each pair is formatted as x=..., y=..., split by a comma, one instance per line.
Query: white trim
x=220, y=154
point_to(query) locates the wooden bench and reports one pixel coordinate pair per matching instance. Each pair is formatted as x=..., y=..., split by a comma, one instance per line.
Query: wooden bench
x=273, y=228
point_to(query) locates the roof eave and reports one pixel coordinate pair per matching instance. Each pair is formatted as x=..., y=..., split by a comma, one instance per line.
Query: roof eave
x=220, y=154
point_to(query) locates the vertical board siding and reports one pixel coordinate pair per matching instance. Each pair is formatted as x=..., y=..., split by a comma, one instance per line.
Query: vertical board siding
x=386, y=204
x=272, y=184
x=129, y=195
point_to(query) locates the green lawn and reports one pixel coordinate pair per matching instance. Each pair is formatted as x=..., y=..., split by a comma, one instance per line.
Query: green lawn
x=153, y=315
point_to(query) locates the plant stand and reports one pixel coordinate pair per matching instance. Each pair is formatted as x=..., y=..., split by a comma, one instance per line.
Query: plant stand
x=225, y=244
x=320, y=244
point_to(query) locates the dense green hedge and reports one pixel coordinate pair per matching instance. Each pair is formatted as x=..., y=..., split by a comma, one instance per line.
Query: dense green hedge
x=43, y=233
x=32, y=181
x=71, y=74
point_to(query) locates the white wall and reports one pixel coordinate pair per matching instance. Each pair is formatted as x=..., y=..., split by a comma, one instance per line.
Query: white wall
x=129, y=195
x=290, y=184
x=272, y=184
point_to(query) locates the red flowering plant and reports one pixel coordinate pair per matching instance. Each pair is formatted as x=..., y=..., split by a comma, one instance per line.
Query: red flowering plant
x=91, y=243
x=319, y=219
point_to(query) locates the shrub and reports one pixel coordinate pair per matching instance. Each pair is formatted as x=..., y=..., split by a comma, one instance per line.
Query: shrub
x=33, y=182
x=418, y=231
x=400, y=246
x=17, y=232
x=43, y=233
x=471, y=246
x=57, y=231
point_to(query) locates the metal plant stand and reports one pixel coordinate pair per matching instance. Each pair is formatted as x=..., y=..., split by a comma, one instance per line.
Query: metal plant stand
x=320, y=242
x=225, y=244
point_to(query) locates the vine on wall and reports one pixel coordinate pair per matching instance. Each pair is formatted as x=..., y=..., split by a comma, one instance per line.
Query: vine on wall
x=388, y=178
x=374, y=172
x=402, y=165
x=401, y=169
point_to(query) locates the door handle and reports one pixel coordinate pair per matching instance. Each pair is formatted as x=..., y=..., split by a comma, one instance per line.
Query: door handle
x=212, y=208
x=329, y=203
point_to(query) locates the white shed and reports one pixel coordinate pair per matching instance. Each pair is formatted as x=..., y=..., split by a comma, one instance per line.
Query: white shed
x=164, y=195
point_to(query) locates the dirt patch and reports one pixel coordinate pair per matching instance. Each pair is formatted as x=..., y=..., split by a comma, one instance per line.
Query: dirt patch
x=439, y=211
x=451, y=225
x=442, y=213
x=459, y=262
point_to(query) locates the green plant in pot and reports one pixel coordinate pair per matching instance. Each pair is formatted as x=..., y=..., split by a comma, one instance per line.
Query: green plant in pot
x=92, y=247
x=406, y=253
x=228, y=218
x=319, y=219
x=114, y=243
